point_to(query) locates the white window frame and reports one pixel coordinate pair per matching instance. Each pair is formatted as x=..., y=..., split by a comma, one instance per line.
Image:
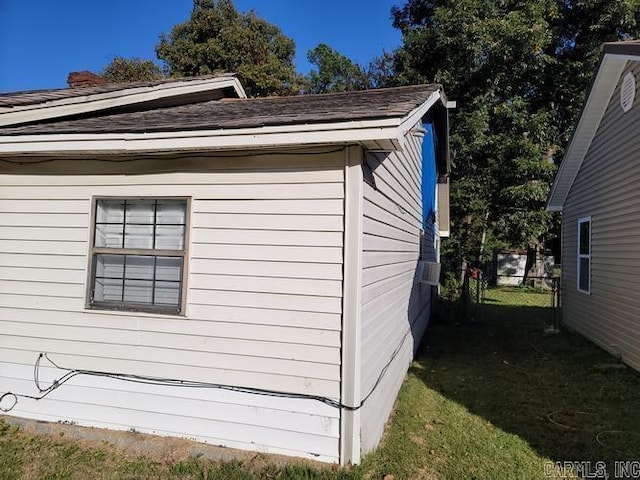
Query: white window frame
x=581, y=256
x=94, y=251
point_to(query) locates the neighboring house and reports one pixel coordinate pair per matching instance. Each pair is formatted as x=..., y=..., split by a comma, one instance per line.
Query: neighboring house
x=596, y=189
x=244, y=270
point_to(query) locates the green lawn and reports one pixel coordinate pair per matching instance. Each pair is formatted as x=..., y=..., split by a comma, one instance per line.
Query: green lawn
x=518, y=296
x=494, y=399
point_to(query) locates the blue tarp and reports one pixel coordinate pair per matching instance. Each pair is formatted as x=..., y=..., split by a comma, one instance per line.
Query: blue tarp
x=428, y=175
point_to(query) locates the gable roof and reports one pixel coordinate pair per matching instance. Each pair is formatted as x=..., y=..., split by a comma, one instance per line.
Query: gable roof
x=39, y=105
x=612, y=64
x=377, y=118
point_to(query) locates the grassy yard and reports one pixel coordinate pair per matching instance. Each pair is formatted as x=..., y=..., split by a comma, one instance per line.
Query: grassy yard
x=495, y=399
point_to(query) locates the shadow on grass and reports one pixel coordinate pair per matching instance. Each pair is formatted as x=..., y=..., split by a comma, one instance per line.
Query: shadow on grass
x=568, y=399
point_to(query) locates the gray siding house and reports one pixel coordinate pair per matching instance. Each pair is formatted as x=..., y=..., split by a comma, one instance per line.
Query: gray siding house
x=237, y=271
x=597, y=191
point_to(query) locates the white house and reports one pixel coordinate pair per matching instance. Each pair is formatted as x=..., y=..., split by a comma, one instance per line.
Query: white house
x=596, y=189
x=195, y=263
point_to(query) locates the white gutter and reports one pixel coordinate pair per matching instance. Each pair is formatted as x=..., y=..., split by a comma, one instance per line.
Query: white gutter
x=389, y=130
x=101, y=101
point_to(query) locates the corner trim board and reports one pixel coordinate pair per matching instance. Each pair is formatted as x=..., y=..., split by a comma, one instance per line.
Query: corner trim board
x=351, y=384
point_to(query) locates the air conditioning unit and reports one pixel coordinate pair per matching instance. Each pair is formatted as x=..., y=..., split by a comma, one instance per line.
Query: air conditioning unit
x=429, y=273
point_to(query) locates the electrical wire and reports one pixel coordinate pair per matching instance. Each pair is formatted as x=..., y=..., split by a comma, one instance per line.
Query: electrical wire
x=151, y=380
x=551, y=415
x=617, y=432
x=599, y=433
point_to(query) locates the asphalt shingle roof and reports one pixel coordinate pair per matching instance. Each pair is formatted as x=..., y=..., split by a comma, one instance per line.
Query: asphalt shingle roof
x=35, y=97
x=245, y=113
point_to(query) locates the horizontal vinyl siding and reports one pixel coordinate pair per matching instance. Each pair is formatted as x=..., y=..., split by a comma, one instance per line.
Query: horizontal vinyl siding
x=606, y=188
x=218, y=417
x=394, y=307
x=263, y=305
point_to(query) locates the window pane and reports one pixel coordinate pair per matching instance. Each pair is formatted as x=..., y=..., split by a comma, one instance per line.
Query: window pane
x=108, y=280
x=171, y=212
x=167, y=293
x=138, y=236
x=169, y=237
x=584, y=237
x=169, y=269
x=138, y=291
x=140, y=211
x=109, y=223
x=110, y=211
x=107, y=290
x=139, y=268
x=109, y=235
x=583, y=281
x=110, y=266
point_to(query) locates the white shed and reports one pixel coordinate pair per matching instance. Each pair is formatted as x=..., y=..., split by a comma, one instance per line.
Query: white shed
x=197, y=264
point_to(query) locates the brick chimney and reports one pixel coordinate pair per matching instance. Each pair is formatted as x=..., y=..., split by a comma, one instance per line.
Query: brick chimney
x=84, y=78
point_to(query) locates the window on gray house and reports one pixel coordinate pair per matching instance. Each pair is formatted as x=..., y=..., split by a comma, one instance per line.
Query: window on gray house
x=138, y=254
x=584, y=255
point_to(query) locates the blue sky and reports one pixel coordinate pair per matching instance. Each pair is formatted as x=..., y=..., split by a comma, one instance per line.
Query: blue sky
x=41, y=41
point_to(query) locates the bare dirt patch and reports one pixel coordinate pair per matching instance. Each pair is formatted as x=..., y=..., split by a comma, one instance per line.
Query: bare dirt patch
x=158, y=449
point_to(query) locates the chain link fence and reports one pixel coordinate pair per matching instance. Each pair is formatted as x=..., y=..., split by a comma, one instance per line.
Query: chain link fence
x=472, y=299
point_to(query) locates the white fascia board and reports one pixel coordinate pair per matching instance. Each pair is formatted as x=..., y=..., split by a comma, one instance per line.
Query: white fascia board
x=101, y=101
x=416, y=115
x=248, y=138
x=602, y=88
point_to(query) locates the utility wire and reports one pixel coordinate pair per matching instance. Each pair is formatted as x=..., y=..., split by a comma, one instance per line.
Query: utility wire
x=12, y=397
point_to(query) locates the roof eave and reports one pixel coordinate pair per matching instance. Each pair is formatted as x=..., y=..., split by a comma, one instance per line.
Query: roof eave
x=554, y=208
x=603, y=85
x=379, y=134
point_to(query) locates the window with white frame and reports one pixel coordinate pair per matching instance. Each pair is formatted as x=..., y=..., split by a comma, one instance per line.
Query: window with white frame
x=138, y=254
x=584, y=255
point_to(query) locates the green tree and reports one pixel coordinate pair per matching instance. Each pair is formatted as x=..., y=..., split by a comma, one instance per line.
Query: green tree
x=383, y=70
x=335, y=72
x=518, y=70
x=218, y=38
x=124, y=70
x=578, y=31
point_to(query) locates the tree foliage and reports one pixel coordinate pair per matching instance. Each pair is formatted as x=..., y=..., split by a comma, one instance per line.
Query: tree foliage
x=218, y=38
x=335, y=72
x=518, y=70
x=124, y=70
